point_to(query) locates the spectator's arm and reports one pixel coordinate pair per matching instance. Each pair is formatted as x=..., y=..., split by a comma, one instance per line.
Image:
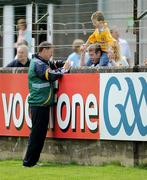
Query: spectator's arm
x=83, y=57
x=91, y=40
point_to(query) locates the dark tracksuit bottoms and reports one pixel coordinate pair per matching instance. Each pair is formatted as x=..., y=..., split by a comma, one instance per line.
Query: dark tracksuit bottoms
x=40, y=120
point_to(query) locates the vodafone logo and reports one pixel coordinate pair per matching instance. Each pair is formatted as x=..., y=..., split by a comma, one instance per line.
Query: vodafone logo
x=16, y=101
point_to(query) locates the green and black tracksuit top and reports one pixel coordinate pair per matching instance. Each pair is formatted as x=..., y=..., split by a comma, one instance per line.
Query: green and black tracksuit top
x=42, y=75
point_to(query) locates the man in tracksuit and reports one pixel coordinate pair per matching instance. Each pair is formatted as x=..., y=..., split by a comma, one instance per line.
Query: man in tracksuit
x=42, y=74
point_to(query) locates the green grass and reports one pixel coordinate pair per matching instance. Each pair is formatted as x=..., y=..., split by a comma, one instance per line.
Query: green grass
x=13, y=170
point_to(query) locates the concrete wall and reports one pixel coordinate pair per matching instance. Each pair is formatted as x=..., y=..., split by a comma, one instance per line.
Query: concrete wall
x=87, y=152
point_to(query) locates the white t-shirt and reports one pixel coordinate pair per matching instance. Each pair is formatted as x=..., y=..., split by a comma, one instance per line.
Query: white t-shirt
x=124, y=48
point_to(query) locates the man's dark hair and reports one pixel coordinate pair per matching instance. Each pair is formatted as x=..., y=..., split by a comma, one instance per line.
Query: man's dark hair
x=43, y=45
x=98, y=49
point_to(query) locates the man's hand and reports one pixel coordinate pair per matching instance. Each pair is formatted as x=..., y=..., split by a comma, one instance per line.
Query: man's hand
x=83, y=48
x=67, y=65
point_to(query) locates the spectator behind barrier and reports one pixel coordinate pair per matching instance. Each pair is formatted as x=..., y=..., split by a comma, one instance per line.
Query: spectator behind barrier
x=124, y=46
x=23, y=33
x=95, y=53
x=115, y=57
x=24, y=43
x=76, y=55
x=22, y=58
x=101, y=35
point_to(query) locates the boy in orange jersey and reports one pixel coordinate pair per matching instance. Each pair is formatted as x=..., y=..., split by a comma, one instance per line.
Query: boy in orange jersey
x=101, y=35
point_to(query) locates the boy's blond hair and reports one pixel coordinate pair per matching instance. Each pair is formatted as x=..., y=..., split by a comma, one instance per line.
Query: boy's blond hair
x=98, y=15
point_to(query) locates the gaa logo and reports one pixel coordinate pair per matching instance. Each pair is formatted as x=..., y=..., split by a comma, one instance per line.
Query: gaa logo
x=138, y=101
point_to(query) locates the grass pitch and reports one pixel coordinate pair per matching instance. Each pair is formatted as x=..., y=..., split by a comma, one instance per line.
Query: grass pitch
x=13, y=170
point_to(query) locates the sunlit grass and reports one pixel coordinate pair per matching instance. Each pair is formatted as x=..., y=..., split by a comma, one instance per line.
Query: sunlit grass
x=13, y=170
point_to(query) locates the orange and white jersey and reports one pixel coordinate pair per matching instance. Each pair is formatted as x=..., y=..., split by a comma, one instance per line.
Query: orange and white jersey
x=103, y=37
